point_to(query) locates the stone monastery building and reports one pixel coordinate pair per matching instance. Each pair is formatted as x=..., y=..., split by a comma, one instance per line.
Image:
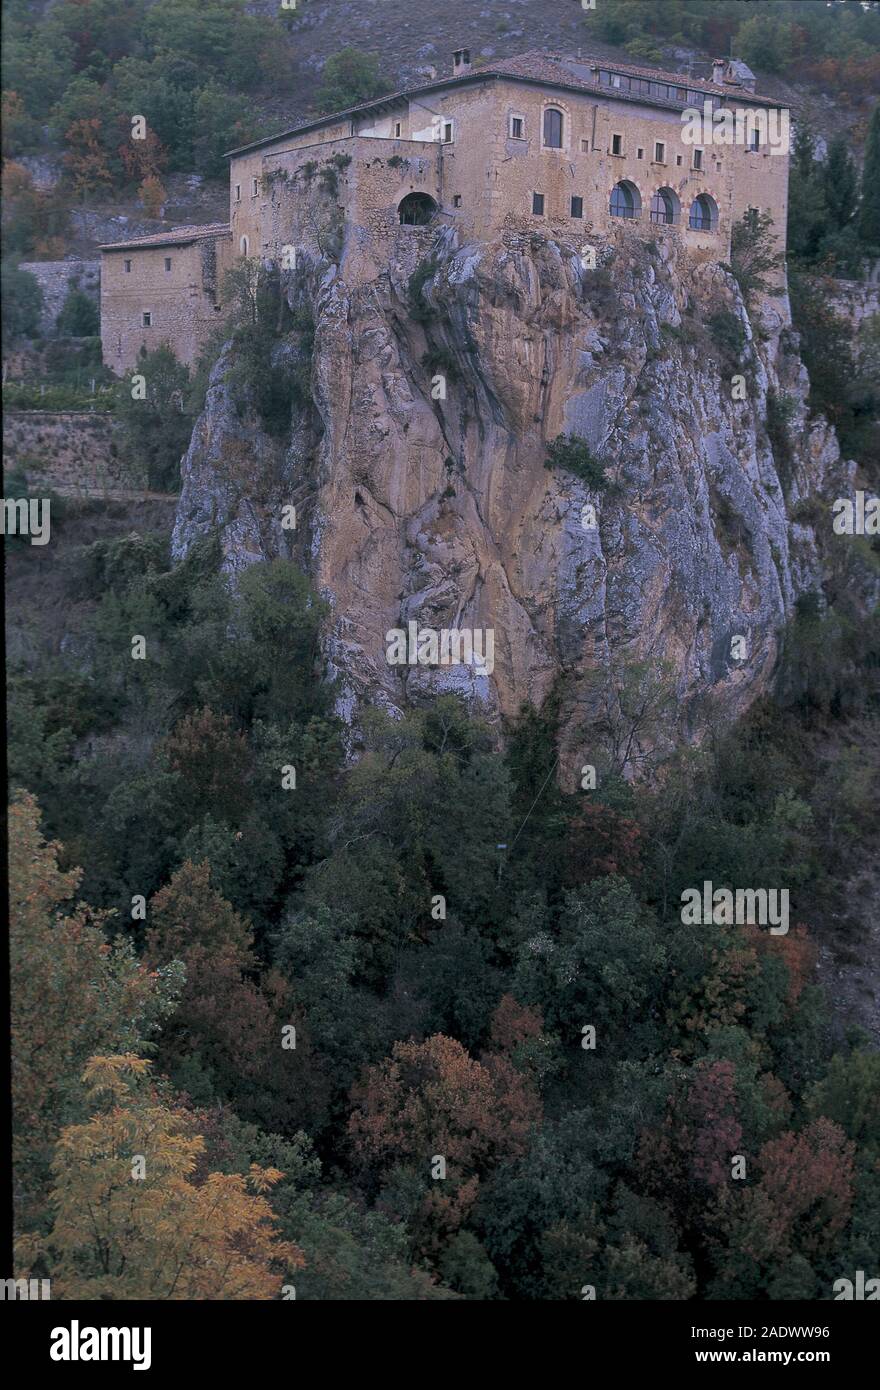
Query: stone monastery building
x=574, y=147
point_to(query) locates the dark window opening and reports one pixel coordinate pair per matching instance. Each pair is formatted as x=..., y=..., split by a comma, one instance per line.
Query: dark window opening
x=538, y=204
x=553, y=129
x=167, y=263
x=577, y=207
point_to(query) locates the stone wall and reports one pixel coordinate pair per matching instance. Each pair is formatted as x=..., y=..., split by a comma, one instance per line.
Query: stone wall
x=57, y=278
x=73, y=451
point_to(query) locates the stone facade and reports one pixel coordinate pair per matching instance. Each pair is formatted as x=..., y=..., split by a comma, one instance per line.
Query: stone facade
x=161, y=289
x=544, y=143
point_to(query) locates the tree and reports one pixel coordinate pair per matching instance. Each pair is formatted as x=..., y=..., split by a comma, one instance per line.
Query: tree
x=226, y=1036
x=790, y=1218
x=22, y=302
x=213, y=762
x=764, y=42
x=840, y=183
x=155, y=423
x=869, y=212
x=430, y=1100
x=72, y=993
x=807, y=207
x=754, y=253
x=157, y=1234
x=152, y=194
x=79, y=316
x=349, y=78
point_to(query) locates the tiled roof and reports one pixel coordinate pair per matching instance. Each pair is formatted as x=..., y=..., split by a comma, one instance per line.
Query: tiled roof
x=177, y=236
x=552, y=69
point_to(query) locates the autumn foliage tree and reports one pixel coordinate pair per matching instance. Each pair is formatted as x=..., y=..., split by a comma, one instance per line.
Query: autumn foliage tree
x=213, y=762
x=779, y=1231
x=228, y=1025
x=430, y=1100
x=72, y=993
x=130, y=1222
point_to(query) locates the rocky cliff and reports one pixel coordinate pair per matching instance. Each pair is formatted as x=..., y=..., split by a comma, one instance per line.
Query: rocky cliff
x=442, y=511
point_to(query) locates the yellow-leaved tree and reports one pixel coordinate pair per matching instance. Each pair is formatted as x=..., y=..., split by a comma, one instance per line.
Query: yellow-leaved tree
x=131, y=1218
x=74, y=993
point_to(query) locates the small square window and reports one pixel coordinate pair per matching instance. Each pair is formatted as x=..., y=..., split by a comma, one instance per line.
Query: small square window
x=127, y=267
x=238, y=192
x=617, y=144
x=517, y=127
x=167, y=263
x=538, y=204
x=456, y=201
x=659, y=152
x=577, y=207
x=146, y=319
x=698, y=159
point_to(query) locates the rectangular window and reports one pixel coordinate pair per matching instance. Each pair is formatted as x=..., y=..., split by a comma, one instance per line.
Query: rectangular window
x=756, y=141
x=698, y=159
x=147, y=319
x=659, y=152
x=238, y=192
x=447, y=132
x=127, y=267
x=577, y=207
x=397, y=130
x=585, y=147
x=640, y=154
x=678, y=159
x=517, y=127
x=255, y=187
x=617, y=144
x=538, y=204
x=456, y=201
x=167, y=263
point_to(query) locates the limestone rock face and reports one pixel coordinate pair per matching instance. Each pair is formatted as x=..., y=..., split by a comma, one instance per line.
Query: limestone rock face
x=441, y=510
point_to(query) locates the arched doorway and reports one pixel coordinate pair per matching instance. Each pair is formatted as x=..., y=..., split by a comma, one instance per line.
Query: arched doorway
x=416, y=210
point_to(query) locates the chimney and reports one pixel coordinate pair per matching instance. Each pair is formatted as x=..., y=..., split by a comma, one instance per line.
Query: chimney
x=461, y=62
x=718, y=71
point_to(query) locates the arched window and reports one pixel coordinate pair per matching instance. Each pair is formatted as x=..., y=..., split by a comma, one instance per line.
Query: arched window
x=704, y=214
x=625, y=200
x=665, y=207
x=244, y=246
x=552, y=129
x=416, y=210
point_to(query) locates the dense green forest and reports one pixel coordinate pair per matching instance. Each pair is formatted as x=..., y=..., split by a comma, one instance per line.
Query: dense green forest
x=181, y=905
